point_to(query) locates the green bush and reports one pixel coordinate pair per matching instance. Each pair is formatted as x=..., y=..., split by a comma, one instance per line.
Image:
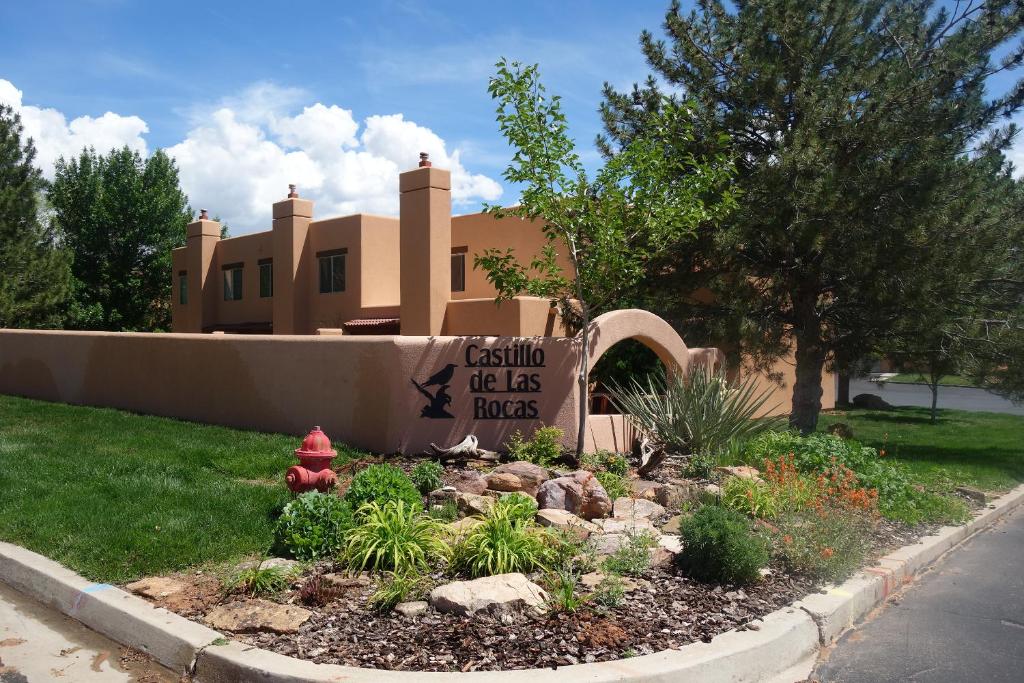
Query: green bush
x=615, y=485
x=633, y=557
x=827, y=544
x=718, y=545
x=607, y=461
x=500, y=543
x=518, y=506
x=313, y=526
x=394, y=536
x=544, y=448
x=447, y=511
x=610, y=592
x=750, y=497
x=262, y=581
x=380, y=484
x=426, y=476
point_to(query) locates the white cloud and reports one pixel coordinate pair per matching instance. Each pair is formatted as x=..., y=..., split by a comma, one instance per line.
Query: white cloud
x=239, y=156
x=54, y=136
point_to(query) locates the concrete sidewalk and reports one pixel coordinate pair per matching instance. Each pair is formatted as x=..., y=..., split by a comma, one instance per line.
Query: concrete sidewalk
x=961, y=621
x=38, y=644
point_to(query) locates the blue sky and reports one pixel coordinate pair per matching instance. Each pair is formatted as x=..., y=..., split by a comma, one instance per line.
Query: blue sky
x=225, y=85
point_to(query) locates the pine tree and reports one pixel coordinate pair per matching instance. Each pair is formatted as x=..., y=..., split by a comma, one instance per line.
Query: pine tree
x=33, y=269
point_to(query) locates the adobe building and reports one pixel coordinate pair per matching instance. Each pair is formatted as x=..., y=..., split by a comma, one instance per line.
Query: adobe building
x=359, y=274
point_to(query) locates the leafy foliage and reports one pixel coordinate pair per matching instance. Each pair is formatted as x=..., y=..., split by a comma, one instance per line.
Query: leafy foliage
x=827, y=543
x=518, y=506
x=261, y=581
x=501, y=542
x=633, y=557
x=313, y=526
x=718, y=545
x=382, y=483
x=610, y=592
x=544, y=448
x=397, y=587
x=426, y=476
x=615, y=485
x=36, y=273
x=394, y=536
x=606, y=460
x=562, y=595
x=447, y=511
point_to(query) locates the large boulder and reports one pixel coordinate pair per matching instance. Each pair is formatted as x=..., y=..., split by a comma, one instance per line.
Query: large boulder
x=529, y=476
x=634, y=526
x=741, y=472
x=250, y=616
x=580, y=493
x=472, y=504
x=504, y=481
x=568, y=522
x=871, y=402
x=470, y=481
x=500, y=594
x=636, y=508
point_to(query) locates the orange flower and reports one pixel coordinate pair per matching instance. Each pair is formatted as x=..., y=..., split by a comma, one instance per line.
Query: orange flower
x=787, y=539
x=827, y=553
x=881, y=453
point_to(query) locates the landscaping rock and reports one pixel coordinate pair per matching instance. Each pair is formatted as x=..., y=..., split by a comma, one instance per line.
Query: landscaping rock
x=270, y=563
x=647, y=490
x=741, y=472
x=972, y=494
x=711, y=492
x=461, y=527
x=871, y=402
x=530, y=476
x=347, y=582
x=660, y=557
x=580, y=493
x=627, y=526
x=413, y=608
x=470, y=481
x=500, y=594
x=672, y=526
x=606, y=544
x=251, y=616
x=593, y=579
x=566, y=521
x=504, y=481
x=678, y=493
x=156, y=587
x=671, y=543
x=636, y=508
x=472, y=504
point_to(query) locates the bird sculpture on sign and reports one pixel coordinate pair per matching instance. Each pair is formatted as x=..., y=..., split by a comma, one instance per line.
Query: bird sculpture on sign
x=438, y=401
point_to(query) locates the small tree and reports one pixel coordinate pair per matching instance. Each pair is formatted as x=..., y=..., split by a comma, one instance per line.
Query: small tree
x=608, y=226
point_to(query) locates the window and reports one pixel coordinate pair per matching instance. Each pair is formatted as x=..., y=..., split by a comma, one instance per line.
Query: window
x=233, y=282
x=459, y=269
x=183, y=287
x=332, y=270
x=266, y=278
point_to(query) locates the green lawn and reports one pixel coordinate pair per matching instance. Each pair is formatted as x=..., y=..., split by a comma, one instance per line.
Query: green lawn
x=116, y=496
x=985, y=450
x=916, y=378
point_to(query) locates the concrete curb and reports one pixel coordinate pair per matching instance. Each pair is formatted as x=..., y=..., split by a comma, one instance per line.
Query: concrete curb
x=784, y=639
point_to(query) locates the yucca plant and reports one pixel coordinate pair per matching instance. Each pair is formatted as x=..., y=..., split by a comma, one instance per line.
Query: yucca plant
x=700, y=413
x=500, y=543
x=394, y=536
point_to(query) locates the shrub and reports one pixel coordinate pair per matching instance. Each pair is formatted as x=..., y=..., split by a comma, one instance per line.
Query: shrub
x=262, y=581
x=701, y=413
x=316, y=591
x=633, y=557
x=501, y=543
x=394, y=536
x=750, y=497
x=828, y=543
x=395, y=588
x=544, y=448
x=562, y=595
x=518, y=506
x=718, y=545
x=610, y=592
x=426, y=476
x=614, y=485
x=380, y=484
x=607, y=461
x=313, y=526
x=699, y=467
x=447, y=511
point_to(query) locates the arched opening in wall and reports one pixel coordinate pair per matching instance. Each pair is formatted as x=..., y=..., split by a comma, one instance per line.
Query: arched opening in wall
x=626, y=361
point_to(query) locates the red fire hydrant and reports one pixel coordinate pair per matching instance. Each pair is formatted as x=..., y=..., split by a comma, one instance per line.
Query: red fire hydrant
x=314, y=468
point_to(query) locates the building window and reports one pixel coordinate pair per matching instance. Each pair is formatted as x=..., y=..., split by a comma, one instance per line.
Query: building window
x=459, y=269
x=233, y=282
x=183, y=287
x=266, y=278
x=332, y=270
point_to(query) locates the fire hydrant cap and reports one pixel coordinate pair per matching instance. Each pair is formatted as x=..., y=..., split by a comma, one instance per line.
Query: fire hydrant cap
x=315, y=443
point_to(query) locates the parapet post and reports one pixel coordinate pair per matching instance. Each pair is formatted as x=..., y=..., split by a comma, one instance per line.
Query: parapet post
x=426, y=248
x=292, y=217
x=201, y=240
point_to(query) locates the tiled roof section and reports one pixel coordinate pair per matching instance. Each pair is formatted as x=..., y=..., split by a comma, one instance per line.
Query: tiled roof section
x=373, y=326
x=370, y=322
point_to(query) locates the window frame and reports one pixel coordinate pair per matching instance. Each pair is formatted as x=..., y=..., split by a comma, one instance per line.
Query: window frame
x=268, y=264
x=234, y=286
x=330, y=258
x=459, y=256
x=183, y=288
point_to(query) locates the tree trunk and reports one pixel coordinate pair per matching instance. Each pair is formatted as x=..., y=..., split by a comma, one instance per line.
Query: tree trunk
x=934, y=386
x=810, y=361
x=583, y=380
x=843, y=389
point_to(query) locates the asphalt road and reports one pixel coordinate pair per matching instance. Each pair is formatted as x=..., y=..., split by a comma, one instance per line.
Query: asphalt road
x=963, y=621
x=957, y=398
x=38, y=644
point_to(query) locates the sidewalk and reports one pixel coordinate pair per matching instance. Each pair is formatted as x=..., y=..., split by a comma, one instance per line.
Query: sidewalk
x=962, y=621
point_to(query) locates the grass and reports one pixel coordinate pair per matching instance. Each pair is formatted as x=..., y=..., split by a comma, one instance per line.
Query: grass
x=116, y=496
x=984, y=450
x=917, y=378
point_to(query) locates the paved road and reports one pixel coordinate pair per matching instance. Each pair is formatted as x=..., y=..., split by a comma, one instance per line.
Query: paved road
x=958, y=398
x=962, y=621
x=38, y=644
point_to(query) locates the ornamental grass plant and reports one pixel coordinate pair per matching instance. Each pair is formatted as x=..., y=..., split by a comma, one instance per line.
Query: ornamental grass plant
x=394, y=536
x=502, y=541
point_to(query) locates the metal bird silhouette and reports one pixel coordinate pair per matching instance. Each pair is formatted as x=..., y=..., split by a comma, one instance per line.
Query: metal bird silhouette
x=441, y=377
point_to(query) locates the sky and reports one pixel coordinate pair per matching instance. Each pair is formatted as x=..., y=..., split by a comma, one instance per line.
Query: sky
x=336, y=97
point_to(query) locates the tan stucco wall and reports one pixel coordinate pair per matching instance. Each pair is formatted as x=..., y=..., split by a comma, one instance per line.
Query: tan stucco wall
x=522, y=316
x=248, y=250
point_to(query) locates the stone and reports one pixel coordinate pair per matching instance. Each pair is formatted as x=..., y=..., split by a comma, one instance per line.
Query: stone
x=606, y=544
x=673, y=525
x=871, y=402
x=741, y=472
x=156, y=587
x=413, y=608
x=347, y=582
x=678, y=493
x=566, y=521
x=472, y=504
x=594, y=579
x=499, y=594
x=251, y=616
x=504, y=481
x=660, y=557
x=580, y=493
x=671, y=543
x=462, y=526
x=647, y=490
x=270, y=563
x=972, y=494
x=627, y=526
x=636, y=508
x=530, y=476
x=711, y=492
x=470, y=481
